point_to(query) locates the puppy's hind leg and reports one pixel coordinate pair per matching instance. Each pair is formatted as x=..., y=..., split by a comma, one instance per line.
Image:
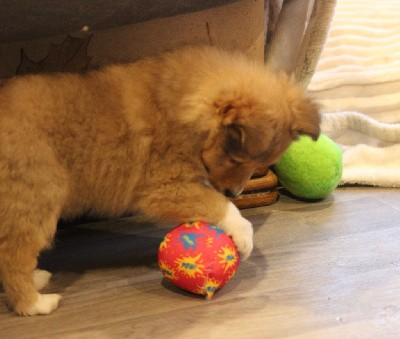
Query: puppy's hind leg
x=41, y=278
x=17, y=275
x=19, y=249
x=30, y=205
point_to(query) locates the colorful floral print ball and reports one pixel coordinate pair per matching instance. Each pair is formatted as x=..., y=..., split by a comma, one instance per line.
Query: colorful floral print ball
x=198, y=257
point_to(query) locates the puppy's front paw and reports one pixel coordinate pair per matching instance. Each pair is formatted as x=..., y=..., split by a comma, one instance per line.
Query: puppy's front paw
x=240, y=229
x=242, y=236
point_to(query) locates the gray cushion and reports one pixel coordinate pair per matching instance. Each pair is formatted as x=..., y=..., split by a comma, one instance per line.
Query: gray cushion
x=30, y=19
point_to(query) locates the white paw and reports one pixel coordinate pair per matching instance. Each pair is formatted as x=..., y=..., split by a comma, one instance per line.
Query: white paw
x=41, y=278
x=45, y=304
x=240, y=229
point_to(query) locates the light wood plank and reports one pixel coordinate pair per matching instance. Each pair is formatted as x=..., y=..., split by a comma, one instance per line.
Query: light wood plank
x=319, y=270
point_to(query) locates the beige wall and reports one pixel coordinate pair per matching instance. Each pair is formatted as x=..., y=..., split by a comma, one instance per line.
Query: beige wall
x=236, y=26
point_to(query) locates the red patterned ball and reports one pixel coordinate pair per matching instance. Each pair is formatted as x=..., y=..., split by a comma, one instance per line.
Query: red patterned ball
x=198, y=257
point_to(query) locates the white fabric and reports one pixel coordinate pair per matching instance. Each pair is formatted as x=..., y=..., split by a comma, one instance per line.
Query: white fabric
x=359, y=68
x=371, y=149
x=359, y=71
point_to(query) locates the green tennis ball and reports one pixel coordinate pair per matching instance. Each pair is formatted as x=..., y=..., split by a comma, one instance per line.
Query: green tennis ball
x=310, y=169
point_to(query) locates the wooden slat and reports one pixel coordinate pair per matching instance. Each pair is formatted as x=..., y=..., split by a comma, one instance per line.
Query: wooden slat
x=325, y=269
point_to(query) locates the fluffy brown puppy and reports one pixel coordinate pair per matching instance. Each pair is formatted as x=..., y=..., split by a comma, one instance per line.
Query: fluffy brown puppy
x=169, y=137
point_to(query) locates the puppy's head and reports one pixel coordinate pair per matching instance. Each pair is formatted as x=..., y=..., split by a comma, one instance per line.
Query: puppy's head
x=258, y=121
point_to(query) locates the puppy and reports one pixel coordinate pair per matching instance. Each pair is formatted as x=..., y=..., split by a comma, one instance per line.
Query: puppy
x=172, y=137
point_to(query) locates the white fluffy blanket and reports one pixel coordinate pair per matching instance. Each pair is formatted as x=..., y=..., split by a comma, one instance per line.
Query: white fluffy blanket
x=359, y=71
x=371, y=149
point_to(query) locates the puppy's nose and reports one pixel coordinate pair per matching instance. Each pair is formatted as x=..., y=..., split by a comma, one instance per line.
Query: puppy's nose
x=230, y=194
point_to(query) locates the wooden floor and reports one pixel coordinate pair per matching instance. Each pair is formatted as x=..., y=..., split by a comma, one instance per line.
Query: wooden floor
x=319, y=270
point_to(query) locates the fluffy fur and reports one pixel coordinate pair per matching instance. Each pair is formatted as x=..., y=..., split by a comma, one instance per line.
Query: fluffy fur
x=166, y=136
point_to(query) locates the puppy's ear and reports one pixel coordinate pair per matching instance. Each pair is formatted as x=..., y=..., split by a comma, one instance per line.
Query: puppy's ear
x=234, y=134
x=234, y=139
x=244, y=134
x=227, y=110
x=306, y=119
